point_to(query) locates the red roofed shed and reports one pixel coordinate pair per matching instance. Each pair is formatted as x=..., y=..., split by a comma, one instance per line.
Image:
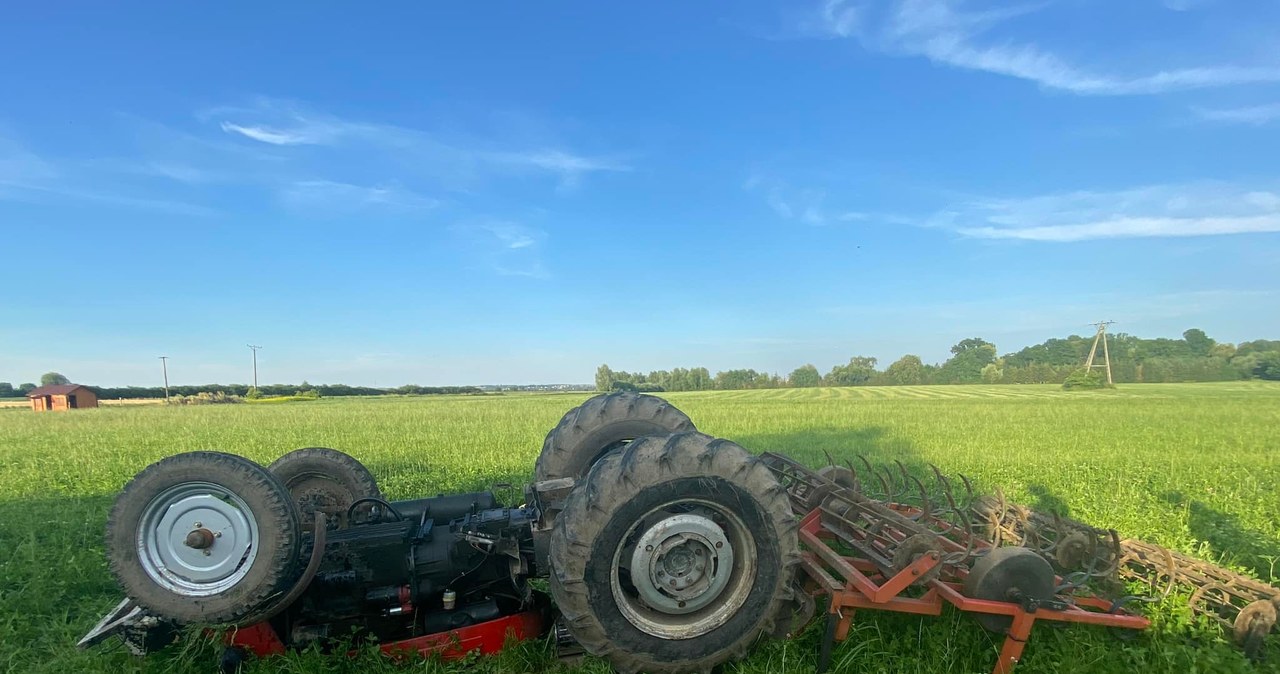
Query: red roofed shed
x=62, y=397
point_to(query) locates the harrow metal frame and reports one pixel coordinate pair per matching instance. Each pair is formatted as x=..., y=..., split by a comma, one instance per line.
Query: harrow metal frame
x=869, y=570
x=852, y=582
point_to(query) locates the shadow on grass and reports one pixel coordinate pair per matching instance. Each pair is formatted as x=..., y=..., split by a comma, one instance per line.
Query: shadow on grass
x=1046, y=501
x=889, y=456
x=1223, y=532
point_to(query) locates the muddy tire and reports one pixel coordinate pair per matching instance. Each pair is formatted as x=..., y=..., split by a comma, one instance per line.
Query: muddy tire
x=204, y=538
x=324, y=480
x=674, y=554
x=601, y=424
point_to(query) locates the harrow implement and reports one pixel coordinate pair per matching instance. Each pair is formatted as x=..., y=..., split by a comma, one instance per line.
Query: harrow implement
x=917, y=552
x=1246, y=608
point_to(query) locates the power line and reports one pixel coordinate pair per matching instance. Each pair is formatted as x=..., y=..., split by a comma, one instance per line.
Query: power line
x=164, y=365
x=255, y=363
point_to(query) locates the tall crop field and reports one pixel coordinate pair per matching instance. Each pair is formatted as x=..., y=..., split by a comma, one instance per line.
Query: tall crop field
x=1195, y=467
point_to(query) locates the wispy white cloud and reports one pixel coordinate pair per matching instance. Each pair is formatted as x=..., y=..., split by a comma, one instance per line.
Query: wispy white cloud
x=804, y=205
x=1257, y=115
x=337, y=197
x=451, y=155
x=1121, y=228
x=28, y=177
x=1185, y=5
x=505, y=247
x=570, y=167
x=264, y=134
x=1178, y=210
x=951, y=33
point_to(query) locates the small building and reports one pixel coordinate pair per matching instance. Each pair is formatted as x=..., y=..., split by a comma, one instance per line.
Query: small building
x=62, y=397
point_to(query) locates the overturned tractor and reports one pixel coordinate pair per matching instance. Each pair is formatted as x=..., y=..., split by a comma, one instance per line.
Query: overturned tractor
x=665, y=550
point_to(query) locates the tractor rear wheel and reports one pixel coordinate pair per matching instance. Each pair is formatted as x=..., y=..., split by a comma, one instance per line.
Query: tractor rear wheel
x=674, y=554
x=324, y=480
x=601, y=424
x=204, y=537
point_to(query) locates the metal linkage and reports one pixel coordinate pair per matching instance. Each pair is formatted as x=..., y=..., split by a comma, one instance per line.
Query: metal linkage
x=911, y=548
x=1081, y=552
x=1246, y=608
x=891, y=534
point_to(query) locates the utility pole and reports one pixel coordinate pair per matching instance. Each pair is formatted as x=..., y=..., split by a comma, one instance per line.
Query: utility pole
x=255, y=364
x=1106, y=353
x=164, y=365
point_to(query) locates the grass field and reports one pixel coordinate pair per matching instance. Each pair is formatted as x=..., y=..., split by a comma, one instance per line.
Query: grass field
x=1195, y=467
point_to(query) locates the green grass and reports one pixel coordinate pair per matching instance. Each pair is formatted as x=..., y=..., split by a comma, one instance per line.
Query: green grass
x=1195, y=467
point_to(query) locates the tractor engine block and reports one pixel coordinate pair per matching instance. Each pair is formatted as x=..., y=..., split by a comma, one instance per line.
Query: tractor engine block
x=418, y=567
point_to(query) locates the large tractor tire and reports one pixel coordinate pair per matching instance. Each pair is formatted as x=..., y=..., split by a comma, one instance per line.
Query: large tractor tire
x=204, y=537
x=324, y=480
x=601, y=424
x=674, y=555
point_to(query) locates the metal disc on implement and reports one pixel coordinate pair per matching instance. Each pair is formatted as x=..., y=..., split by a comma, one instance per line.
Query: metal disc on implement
x=324, y=480
x=911, y=549
x=1008, y=574
x=1252, y=625
x=1073, y=551
x=840, y=475
x=204, y=537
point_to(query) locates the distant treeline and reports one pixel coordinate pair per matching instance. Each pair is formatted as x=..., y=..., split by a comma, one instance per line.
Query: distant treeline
x=242, y=390
x=1195, y=357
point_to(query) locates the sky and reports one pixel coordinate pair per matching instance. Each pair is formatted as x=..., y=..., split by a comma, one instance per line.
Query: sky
x=464, y=193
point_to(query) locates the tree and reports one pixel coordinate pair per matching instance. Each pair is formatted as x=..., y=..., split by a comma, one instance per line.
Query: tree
x=1269, y=365
x=52, y=378
x=24, y=389
x=6, y=390
x=604, y=378
x=1199, y=343
x=1223, y=350
x=905, y=371
x=965, y=367
x=805, y=376
x=858, y=372
x=991, y=373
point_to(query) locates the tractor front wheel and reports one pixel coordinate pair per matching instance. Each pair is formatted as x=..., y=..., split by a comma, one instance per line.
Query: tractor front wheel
x=204, y=537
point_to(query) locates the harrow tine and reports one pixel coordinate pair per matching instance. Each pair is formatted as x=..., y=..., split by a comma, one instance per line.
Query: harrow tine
x=1072, y=582
x=890, y=485
x=830, y=460
x=968, y=491
x=1113, y=552
x=884, y=486
x=857, y=479
x=926, y=507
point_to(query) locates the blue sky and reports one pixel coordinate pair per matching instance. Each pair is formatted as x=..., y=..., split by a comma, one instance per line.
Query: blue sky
x=456, y=193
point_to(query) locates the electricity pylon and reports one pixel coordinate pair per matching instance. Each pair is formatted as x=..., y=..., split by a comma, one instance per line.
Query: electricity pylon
x=1106, y=353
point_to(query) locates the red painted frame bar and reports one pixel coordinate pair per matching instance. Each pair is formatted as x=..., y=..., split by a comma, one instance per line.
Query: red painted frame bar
x=860, y=589
x=487, y=637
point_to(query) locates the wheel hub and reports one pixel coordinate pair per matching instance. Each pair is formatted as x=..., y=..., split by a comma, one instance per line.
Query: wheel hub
x=197, y=539
x=681, y=564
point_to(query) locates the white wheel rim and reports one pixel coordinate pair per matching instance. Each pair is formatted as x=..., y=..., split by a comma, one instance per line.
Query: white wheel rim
x=197, y=539
x=684, y=569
